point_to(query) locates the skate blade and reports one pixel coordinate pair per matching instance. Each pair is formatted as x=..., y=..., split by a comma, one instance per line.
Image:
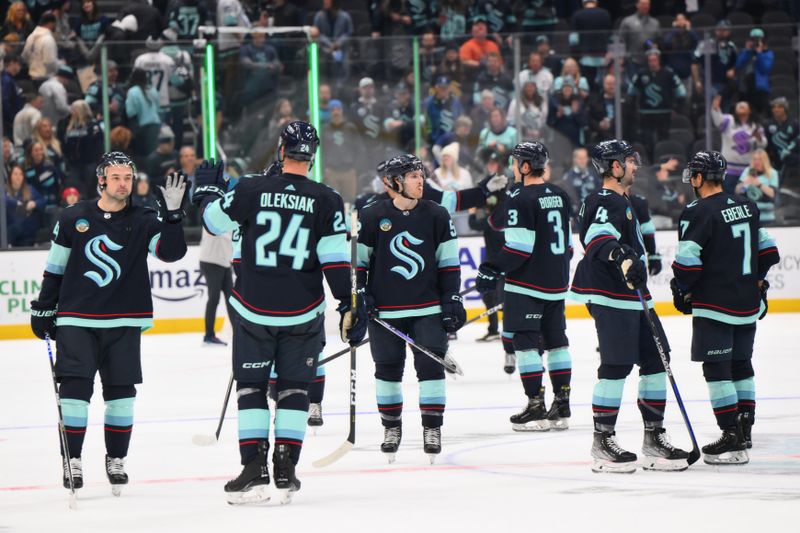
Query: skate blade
x=116, y=490
x=258, y=494
x=559, y=424
x=727, y=458
x=391, y=457
x=73, y=501
x=536, y=425
x=432, y=457
x=605, y=467
x=659, y=464
x=285, y=496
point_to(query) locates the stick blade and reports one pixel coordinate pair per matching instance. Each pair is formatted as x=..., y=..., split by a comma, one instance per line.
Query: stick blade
x=694, y=455
x=204, y=440
x=334, y=456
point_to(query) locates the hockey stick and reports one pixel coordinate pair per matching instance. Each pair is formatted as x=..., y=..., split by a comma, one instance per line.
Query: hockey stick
x=447, y=362
x=348, y=444
x=62, y=430
x=694, y=455
x=490, y=311
x=208, y=440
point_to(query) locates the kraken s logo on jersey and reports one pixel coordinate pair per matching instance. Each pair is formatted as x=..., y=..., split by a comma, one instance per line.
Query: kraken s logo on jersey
x=653, y=95
x=399, y=246
x=96, y=252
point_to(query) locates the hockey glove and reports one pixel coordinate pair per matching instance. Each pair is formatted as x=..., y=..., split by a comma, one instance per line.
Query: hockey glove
x=486, y=280
x=210, y=182
x=493, y=183
x=453, y=313
x=654, y=264
x=630, y=266
x=171, y=200
x=764, y=287
x=43, y=320
x=680, y=299
x=353, y=326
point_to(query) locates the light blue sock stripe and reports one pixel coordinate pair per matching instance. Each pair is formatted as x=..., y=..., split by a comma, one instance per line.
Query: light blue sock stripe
x=272, y=374
x=320, y=371
x=119, y=412
x=253, y=424
x=745, y=388
x=558, y=359
x=508, y=335
x=608, y=392
x=388, y=392
x=529, y=361
x=290, y=424
x=75, y=412
x=653, y=386
x=432, y=391
x=722, y=393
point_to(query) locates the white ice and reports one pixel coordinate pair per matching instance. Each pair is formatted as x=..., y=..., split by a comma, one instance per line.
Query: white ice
x=487, y=477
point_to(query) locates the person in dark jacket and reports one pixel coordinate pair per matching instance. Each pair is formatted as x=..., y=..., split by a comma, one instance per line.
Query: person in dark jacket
x=12, y=94
x=24, y=208
x=83, y=146
x=40, y=173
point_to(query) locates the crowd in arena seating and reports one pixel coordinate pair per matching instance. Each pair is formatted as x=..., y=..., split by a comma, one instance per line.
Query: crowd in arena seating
x=587, y=69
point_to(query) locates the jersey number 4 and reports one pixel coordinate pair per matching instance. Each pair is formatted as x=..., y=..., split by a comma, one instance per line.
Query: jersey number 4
x=293, y=244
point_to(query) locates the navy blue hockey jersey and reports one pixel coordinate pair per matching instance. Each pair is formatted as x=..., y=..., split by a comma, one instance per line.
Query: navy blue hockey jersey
x=451, y=200
x=642, y=211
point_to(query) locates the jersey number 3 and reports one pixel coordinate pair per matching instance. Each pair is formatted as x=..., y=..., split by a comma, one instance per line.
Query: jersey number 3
x=294, y=243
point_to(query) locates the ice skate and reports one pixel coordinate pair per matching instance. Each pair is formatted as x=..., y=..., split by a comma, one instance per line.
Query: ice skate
x=115, y=470
x=532, y=418
x=559, y=412
x=745, y=423
x=609, y=456
x=659, y=454
x=77, y=472
x=315, y=416
x=729, y=449
x=510, y=363
x=252, y=485
x=489, y=337
x=432, y=439
x=391, y=442
x=283, y=470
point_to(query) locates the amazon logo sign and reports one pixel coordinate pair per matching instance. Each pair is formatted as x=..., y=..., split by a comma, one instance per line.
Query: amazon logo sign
x=177, y=285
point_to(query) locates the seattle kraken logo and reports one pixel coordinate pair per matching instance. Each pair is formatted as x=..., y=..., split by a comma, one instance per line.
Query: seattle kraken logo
x=399, y=246
x=95, y=251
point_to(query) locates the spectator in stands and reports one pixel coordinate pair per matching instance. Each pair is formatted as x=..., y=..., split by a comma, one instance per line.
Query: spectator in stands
x=759, y=182
x=18, y=25
x=40, y=51
x=601, y=110
x=25, y=121
x=24, y=209
x=498, y=14
x=480, y=113
x=442, y=109
x=116, y=93
x=44, y=134
x=451, y=68
x=679, y=46
x=368, y=115
x=165, y=159
x=753, y=67
x=567, y=114
x=185, y=16
x=452, y=19
x=285, y=13
x=9, y=155
x=283, y=115
x=334, y=27
x=91, y=25
x=41, y=174
x=70, y=196
x=12, y=94
x=63, y=33
x=143, y=196
x=141, y=107
x=83, y=145
x=532, y=110
x=591, y=29
x=723, y=63
x=537, y=16
x=261, y=68
x=430, y=57
x=342, y=155
x=492, y=78
x=537, y=72
x=461, y=134
x=656, y=90
x=474, y=51
x=637, y=29
x=571, y=73
x=659, y=184
x=450, y=175
x=325, y=96
x=400, y=120
x=741, y=136
x=580, y=180
x=783, y=135
x=120, y=138
x=54, y=91
x=551, y=60
x=498, y=136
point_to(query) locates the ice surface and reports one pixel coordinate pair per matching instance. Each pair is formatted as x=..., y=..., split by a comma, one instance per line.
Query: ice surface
x=487, y=477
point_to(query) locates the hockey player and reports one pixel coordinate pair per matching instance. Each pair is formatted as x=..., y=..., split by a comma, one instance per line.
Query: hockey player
x=720, y=270
x=607, y=279
x=535, y=261
x=293, y=231
x=408, y=267
x=95, y=301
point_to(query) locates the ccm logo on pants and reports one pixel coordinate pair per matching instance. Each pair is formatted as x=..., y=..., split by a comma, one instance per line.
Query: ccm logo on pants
x=256, y=365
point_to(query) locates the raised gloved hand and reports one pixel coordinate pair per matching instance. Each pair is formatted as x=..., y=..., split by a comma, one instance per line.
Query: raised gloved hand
x=453, y=313
x=680, y=299
x=630, y=266
x=210, y=182
x=43, y=320
x=486, y=280
x=171, y=199
x=353, y=326
x=763, y=286
x=493, y=183
x=654, y=264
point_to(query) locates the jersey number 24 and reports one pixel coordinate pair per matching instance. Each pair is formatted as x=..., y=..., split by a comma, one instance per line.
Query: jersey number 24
x=293, y=243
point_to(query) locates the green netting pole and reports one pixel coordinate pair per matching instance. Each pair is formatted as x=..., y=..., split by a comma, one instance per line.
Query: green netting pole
x=210, y=118
x=313, y=104
x=106, y=112
x=417, y=99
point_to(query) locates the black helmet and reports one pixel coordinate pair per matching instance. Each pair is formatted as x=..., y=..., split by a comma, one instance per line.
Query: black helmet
x=115, y=159
x=607, y=152
x=395, y=168
x=532, y=152
x=711, y=165
x=300, y=139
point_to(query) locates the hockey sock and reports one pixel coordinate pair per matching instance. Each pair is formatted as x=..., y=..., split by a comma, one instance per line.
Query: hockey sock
x=316, y=389
x=559, y=366
x=273, y=380
x=390, y=402
x=508, y=341
x=652, y=398
x=118, y=420
x=606, y=399
x=742, y=374
x=722, y=392
x=432, y=398
x=75, y=394
x=291, y=416
x=530, y=367
x=253, y=417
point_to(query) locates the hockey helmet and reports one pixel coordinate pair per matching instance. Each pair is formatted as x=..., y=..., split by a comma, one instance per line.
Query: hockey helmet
x=710, y=164
x=396, y=168
x=300, y=140
x=532, y=152
x=606, y=152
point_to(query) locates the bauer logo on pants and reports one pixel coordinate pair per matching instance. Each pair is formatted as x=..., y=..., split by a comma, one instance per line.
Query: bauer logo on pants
x=96, y=252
